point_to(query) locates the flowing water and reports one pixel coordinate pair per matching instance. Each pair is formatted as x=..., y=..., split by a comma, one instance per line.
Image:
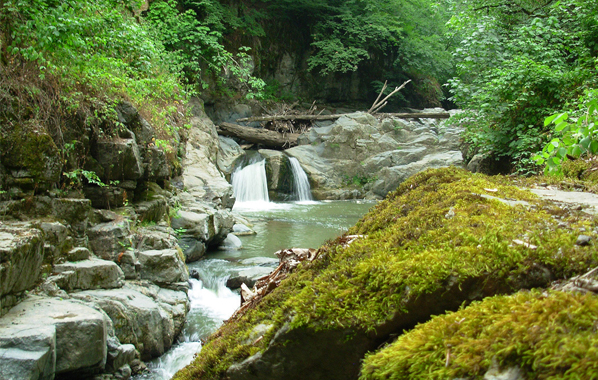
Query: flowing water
x=301, y=188
x=250, y=183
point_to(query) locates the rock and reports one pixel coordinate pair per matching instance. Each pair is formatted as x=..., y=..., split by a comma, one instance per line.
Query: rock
x=583, y=240
x=74, y=212
x=235, y=282
x=80, y=332
x=119, y=355
x=193, y=249
x=108, y=197
x=28, y=352
x=201, y=177
x=163, y=266
x=278, y=172
x=229, y=151
x=192, y=224
x=231, y=242
x=511, y=373
x=108, y=240
x=78, y=254
x=120, y=159
x=21, y=256
x=194, y=274
x=155, y=237
x=130, y=265
x=152, y=210
x=242, y=230
x=137, y=319
x=93, y=274
x=57, y=241
x=156, y=165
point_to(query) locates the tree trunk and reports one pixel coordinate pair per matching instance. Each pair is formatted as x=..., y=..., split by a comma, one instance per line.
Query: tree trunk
x=271, y=139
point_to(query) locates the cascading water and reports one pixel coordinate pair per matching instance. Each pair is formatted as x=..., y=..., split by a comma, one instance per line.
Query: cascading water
x=301, y=188
x=250, y=183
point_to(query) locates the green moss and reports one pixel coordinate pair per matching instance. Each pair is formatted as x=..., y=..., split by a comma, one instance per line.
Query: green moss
x=548, y=335
x=413, y=259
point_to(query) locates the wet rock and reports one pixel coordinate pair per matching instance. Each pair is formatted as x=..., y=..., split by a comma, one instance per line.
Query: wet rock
x=278, y=171
x=231, y=242
x=93, y=274
x=163, y=266
x=80, y=332
x=242, y=230
x=235, y=282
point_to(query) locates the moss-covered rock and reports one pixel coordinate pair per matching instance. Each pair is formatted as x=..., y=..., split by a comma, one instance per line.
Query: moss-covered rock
x=546, y=335
x=444, y=238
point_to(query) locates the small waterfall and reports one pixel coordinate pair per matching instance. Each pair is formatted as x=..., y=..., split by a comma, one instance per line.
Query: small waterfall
x=250, y=183
x=301, y=188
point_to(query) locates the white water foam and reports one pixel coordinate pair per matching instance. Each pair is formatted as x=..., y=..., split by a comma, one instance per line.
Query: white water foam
x=250, y=183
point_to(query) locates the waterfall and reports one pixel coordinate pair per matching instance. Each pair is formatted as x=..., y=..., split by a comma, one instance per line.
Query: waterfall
x=301, y=188
x=250, y=183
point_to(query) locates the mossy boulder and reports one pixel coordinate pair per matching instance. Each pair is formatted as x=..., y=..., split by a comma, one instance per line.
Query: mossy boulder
x=444, y=238
x=30, y=153
x=542, y=335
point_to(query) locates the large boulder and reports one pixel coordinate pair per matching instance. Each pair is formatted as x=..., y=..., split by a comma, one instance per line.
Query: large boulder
x=92, y=274
x=228, y=153
x=120, y=159
x=278, y=172
x=108, y=240
x=163, y=267
x=79, y=332
x=21, y=257
x=138, y=319
x=28, y=352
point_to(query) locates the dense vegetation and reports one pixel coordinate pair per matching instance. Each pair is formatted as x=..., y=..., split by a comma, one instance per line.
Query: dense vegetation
x=518, y=62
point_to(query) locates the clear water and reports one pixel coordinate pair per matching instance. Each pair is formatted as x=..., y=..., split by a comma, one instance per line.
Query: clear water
x=278, y=226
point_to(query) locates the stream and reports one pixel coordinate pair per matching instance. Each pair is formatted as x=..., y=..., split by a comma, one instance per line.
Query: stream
x=305, y=224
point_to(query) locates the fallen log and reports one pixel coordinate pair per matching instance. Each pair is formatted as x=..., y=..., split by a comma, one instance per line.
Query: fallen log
x=265, y=137
x=437, y=115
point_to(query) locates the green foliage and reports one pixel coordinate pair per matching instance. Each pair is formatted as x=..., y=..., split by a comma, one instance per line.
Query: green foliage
x=577, y=136
x=91, y=177
x=518, y=62
x=548, y=335
x=196, y=42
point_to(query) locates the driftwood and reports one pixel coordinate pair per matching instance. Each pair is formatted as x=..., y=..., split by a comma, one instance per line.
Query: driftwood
x=265, y=137
x=378, y=104
x=437, y=115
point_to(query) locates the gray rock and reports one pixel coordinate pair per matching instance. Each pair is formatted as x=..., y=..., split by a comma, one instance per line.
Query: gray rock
x=496, y=373
x=193, y=249
x=108, y=240
x=231, y=242
x=242, y=230
x=278, y=171
x=229, y=151
x=120, y=159
x=163, y=266
x=78, y=254
x=152, y=210
x=155, y=237
x=108, y=197
x=156, y=165
x=20, y=259
x=137, y=319
x=28, y=352
x=192, y=224
x=93, y=274
x=80, y=331
x=74, y=211
x=235, y=282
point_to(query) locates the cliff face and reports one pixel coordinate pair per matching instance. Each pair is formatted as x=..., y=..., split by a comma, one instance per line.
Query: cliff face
x=443, y=239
